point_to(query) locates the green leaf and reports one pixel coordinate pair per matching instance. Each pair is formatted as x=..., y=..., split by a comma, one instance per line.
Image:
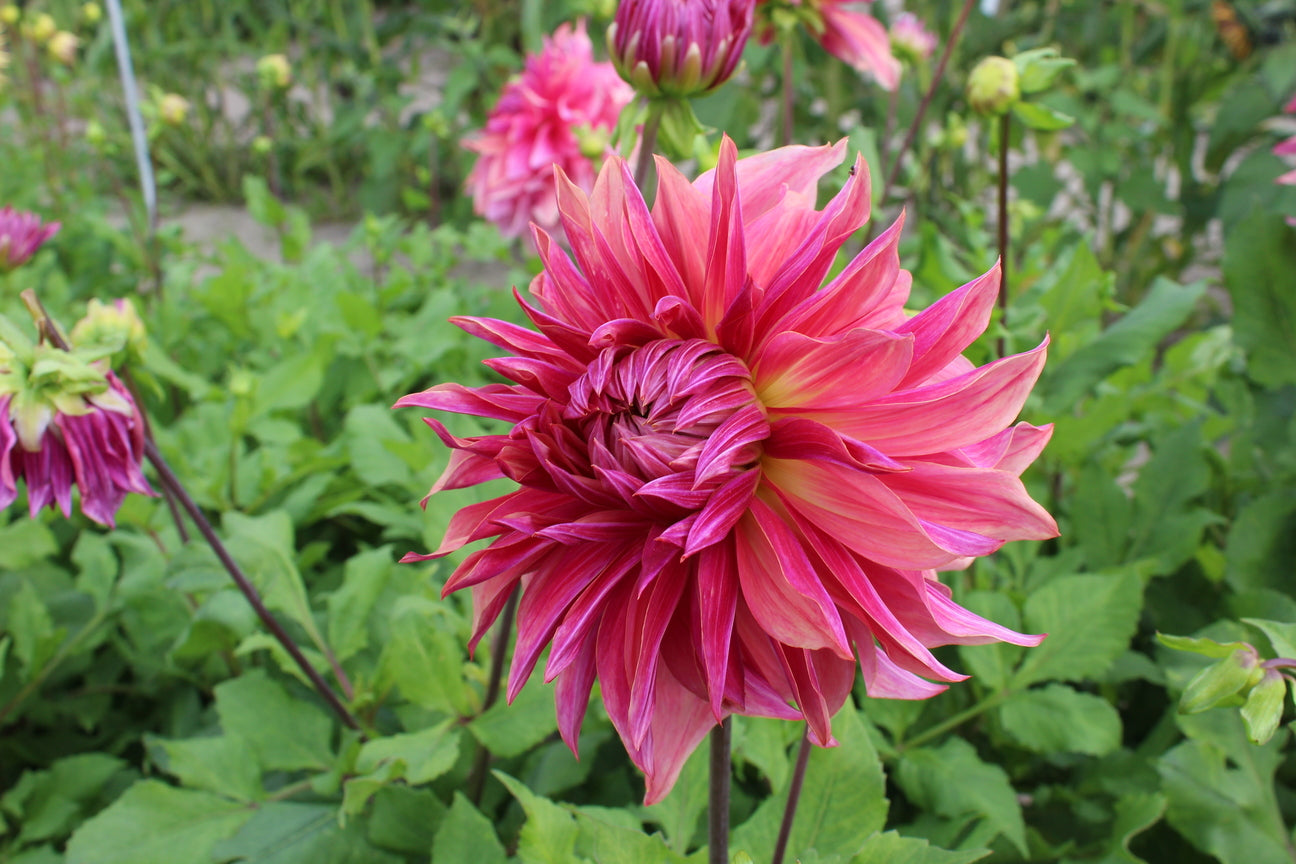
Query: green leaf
x=415, y=757
x=952, y=781
x=1135, y=813
x=1104, y=530
x=264, y=546
x=35, y=639
x=223, y=764
x=1042, y=118
x=1133, y=337
x=466, y=835
x=1259, y=259
x=287, y=832
x=1203, y=646
x=364, y=578
x=153, y=823
x=510, y=730
x=370, y=432
x=1219, y=682
x=1059, y=719
x=550, y=833
x=47, y=804
x=24, y=543
x=1039, y=68
x=286, y=734
x=1089, y=620
x=1262, y=543
x=424, y=660
x=608, y=843
x=404, y=819
x=1281, y=634
x=1264, y=707
x=843, y=800
x=891, y=848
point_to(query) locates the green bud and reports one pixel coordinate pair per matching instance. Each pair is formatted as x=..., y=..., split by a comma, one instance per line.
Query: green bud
x=1264, y=706
x=1222, y=683
x=110, y=329
x=994, y=86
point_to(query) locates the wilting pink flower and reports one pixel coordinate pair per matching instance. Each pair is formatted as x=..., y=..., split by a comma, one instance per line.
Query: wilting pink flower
x=538, y=123
x=21, y=234
x=910, y=39
x=849, y=33
x=735, y=485
x=92, y=441
x=679, y=47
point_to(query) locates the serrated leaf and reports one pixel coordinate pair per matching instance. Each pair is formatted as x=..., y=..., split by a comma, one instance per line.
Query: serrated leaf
x=466, y=835
x=1281, y=634
x=364, y=578
x=510, y=730
x=550, y=833
x=264, y=546
x=1089, y=620
x=1135, y=813
x=891, y=848
x=287, y=832
x=425, y=661
x=952, y=781
x=47, y=804
x=153, y=823
x=32, y=629
x=843, y=800
x=1262, y=543
x=1258, y=262
x=415, y=757
x=606, y=842
x=1059, y=719
x=286, y=734
x=404, y=819
x=224, y=764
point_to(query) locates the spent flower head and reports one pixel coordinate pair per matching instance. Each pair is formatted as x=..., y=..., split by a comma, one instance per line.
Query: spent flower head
x=911, y=41
x=542, y=119
x=21, y=234
x=842, y=28
x=734, y=481
x=110, y=330
x=678, y=48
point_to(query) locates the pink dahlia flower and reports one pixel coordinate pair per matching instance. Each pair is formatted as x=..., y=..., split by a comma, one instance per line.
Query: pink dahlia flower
x=679, y=47
x=95, y=442
x=851, y=34
x=734, y=484
x=21, y=234
x=910, y=39
x=561, y=96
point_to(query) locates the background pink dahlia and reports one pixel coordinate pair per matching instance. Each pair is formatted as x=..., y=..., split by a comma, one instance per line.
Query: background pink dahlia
x=536, y=125
x=735, y=482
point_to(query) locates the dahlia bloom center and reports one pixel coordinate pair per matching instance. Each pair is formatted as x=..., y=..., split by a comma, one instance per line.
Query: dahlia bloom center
x=671, y=420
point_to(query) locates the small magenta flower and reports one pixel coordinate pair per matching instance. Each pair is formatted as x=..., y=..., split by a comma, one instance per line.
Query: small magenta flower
x=679, y=48
x=735, y=482
x=21, y=234
x=910, y=39
x=67, y=422
x=541, y=120
x=845, y=30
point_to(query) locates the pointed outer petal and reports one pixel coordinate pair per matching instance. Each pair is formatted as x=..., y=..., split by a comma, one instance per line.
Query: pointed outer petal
x=572, y=692
x=500, y=401
x=782, y=229
x=516, y=339
x=716, y=580
x=653, y=255
x=556, y=584
x=852, y=589
x=463, y=470
x=597, y=527
x=730, y=443
x=488, y=600
x=780, y=584
x=618, y=214
x=623, y=331
x=796, y=372
x=885, y=680
x=655, y=611
x=801, y=273
x=736, y=332
x=1012, y=450
x=538, y=376
x=1285, y=148
x=678, y=318
x=567, y=313
x=795, y=438
x=855, y=293
x=968, y=628
x=863, y=514
x=586, y=611
x=722, y=511
x=983, y=500
x=860, y=39
x=764, y=175
x=755, y=665
x=943, y=416
x=726, y=261
x=949, y=325
x=681, y=214
x=504, y=560
x=8, y=438
x=821, y=683
x=679, y=723
x=477, y=521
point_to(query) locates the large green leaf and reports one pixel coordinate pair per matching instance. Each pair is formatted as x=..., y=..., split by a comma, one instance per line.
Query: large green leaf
x=1259, y=262
x=416, y=757
x=285, y=733
x=891, y=848
x=1089, y=620
x=550, y=833
x=1059, y=719
x=364, y=578
x=224, y=764
x=509, y=730
x=287, y=832
x=153, y=823
x=466, y=835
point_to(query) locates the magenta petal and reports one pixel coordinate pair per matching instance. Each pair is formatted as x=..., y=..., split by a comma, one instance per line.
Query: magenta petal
x=949, y=325
x=796, y=372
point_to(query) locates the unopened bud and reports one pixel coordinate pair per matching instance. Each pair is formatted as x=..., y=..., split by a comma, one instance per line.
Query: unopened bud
x=173, y=109
x=62, y=47
x=40, y=28
x=91, y=13
x=10, y=14
x=993, y=87
x=275, y=71
x=678, y=48
x=262, y=145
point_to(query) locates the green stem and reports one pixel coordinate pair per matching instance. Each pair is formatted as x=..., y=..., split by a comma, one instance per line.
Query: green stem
x=789, y=91
x=647, y=144
x=994, y=700
x=476, y=782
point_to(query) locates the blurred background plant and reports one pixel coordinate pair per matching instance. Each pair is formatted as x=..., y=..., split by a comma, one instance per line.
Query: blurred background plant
x=144, y=715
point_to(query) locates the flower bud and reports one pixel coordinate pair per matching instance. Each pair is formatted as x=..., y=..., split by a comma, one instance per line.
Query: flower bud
x=678, y=48
x=262, y=145
x=110, y=328
x=910, y=40
x=993, y=87
x=40, y=28
x=62, y=47
x=91, y=13
x=21, y=234
x=10, y=14
x=275, y=71
x=173, y=109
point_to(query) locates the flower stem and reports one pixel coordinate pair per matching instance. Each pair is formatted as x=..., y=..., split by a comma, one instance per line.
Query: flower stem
x=718, y=808
x=994, y=700
x=647, y=144
x=1005, y=128
x=794, y=798
x=937, y=77
x=499, y=645
x=789, y=91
